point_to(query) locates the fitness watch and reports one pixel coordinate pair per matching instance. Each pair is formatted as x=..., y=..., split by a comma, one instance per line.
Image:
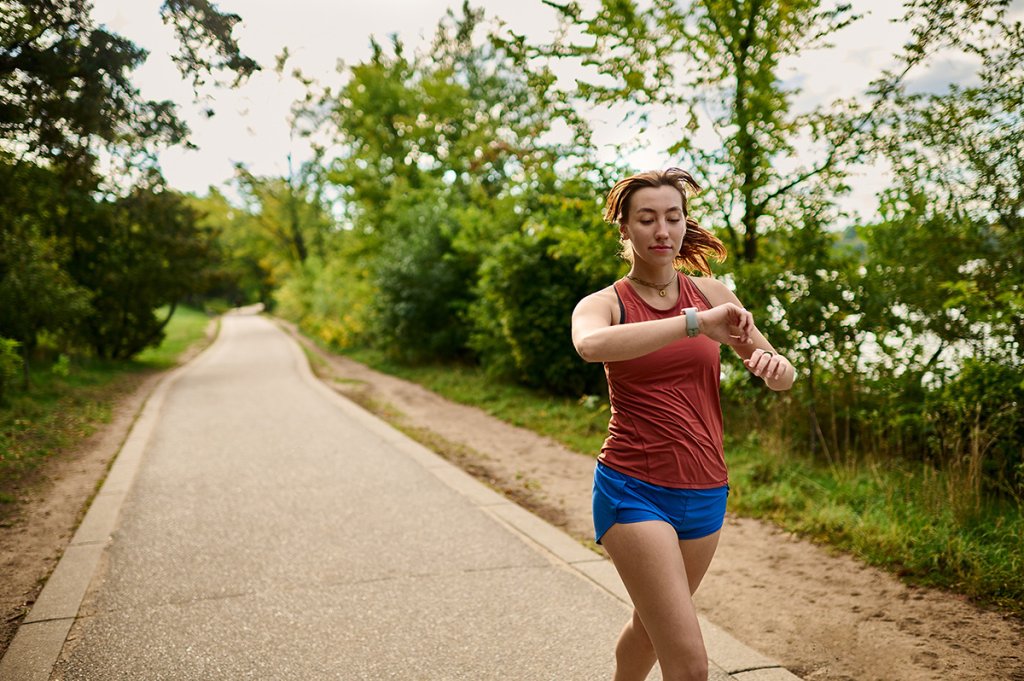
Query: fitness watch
x=692, y=324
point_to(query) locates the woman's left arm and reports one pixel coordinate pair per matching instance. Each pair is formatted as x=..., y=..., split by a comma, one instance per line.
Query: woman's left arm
x=758, y=355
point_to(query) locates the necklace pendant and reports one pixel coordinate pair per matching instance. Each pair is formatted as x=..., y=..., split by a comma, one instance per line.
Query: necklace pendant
x=661, y=293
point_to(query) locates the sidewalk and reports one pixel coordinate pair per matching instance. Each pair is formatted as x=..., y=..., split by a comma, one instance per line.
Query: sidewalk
x=258, y=525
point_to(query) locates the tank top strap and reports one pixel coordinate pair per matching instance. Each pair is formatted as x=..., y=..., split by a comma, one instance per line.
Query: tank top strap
x=692, y=293
x=637, y=309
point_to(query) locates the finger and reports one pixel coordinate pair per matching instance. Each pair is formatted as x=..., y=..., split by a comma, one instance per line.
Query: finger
x=755, y=366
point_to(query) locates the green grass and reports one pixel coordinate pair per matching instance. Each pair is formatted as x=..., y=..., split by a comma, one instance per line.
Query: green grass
x=578, y=424
x=185, y=328
x=899, y=516
x=70, y=397
x=889, y=515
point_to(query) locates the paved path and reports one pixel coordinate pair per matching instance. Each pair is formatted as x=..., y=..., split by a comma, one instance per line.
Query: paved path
x=256, y=525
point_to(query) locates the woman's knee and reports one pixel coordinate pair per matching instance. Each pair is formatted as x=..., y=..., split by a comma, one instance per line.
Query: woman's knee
x=694, y=668
x=686, y=662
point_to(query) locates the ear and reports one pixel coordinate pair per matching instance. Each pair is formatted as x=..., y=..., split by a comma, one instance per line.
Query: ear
x=623, y=234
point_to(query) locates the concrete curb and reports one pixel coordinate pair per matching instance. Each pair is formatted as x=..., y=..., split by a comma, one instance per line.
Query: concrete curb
x=733, y=659
x=40, y=637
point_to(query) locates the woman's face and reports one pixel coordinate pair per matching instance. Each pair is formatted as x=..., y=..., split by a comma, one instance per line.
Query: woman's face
x=656, y=224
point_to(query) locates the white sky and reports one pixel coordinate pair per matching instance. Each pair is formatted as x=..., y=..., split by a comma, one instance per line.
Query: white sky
x=250, y=125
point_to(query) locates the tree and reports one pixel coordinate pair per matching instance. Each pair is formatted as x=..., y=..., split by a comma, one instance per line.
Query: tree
x=439, y=149
x=948, y=256
x=291, y=212
x=145, y=251
x=65, y=83
x=242, y=271
x=37, y=294
x=65, y=95
x=958, y=158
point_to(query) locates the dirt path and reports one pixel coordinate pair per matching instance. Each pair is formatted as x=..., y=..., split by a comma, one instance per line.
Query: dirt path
x=823, y=616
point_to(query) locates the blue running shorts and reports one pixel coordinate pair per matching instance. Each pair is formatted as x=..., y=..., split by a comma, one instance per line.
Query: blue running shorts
x=619, y=498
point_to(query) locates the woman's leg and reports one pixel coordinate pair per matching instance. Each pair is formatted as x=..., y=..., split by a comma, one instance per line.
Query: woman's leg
x=634, y=652
x=660, y=573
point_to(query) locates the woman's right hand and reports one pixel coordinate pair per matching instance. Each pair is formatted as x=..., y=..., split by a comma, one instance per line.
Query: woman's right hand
x=727, y=323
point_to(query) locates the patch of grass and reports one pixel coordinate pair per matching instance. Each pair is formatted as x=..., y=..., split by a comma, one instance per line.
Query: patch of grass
x=580, y=424
x=186, y=327
x=71, y=396
x=891, y=515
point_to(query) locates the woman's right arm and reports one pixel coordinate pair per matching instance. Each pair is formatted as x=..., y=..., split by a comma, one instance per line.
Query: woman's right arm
x=598, y=339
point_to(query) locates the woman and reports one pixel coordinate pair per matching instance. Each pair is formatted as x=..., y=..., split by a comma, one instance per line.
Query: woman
x=660, y=484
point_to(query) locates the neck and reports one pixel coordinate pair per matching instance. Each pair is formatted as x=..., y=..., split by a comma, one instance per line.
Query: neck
x=660, y=275
x=662, y=288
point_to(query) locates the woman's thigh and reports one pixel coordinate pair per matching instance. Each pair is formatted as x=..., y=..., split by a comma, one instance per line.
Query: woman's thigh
x=697, y=555
x=650, y=559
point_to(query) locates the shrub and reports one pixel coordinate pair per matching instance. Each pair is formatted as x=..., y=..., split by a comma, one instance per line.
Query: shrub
x=522, y=318
x=422, y=288
x=10, y=366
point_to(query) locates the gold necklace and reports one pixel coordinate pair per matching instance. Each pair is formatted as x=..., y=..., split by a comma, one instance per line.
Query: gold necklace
x=660, y=287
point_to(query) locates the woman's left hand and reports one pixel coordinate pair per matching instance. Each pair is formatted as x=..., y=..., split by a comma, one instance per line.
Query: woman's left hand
x=766, y=364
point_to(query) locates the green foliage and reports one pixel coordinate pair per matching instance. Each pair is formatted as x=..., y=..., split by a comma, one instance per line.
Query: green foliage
x=421, y=287
x=10, y=367
x=522, y=317
x=976, y=429
x=441, y=158
x=244, y=259
x=135, y=255
x=287, y=219
x=329, y=301
x=906, y=518
x=530, y=283
x=36, y=293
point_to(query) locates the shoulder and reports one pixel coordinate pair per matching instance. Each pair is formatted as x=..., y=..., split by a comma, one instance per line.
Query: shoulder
x=715, y=291
x=605, y=300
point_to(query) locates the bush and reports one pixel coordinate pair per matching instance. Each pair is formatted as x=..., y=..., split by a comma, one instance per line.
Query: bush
x=10, y=366
x=522, y=318
x=328, y=301
x=422, y=287
x=977, y=429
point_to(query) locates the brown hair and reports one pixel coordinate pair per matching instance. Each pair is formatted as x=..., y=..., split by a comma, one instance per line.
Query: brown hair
x=698, y=245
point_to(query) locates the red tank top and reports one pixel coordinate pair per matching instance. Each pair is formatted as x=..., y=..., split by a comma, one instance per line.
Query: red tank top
x=666, y=422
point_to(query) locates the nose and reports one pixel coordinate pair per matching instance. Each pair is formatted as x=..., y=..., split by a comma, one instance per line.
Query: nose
x=661, y=228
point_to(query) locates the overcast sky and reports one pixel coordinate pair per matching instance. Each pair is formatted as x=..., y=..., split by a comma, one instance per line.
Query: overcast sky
x=250, y=125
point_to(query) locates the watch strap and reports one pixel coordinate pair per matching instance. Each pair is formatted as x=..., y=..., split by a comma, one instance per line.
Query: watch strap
x=692, y=323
